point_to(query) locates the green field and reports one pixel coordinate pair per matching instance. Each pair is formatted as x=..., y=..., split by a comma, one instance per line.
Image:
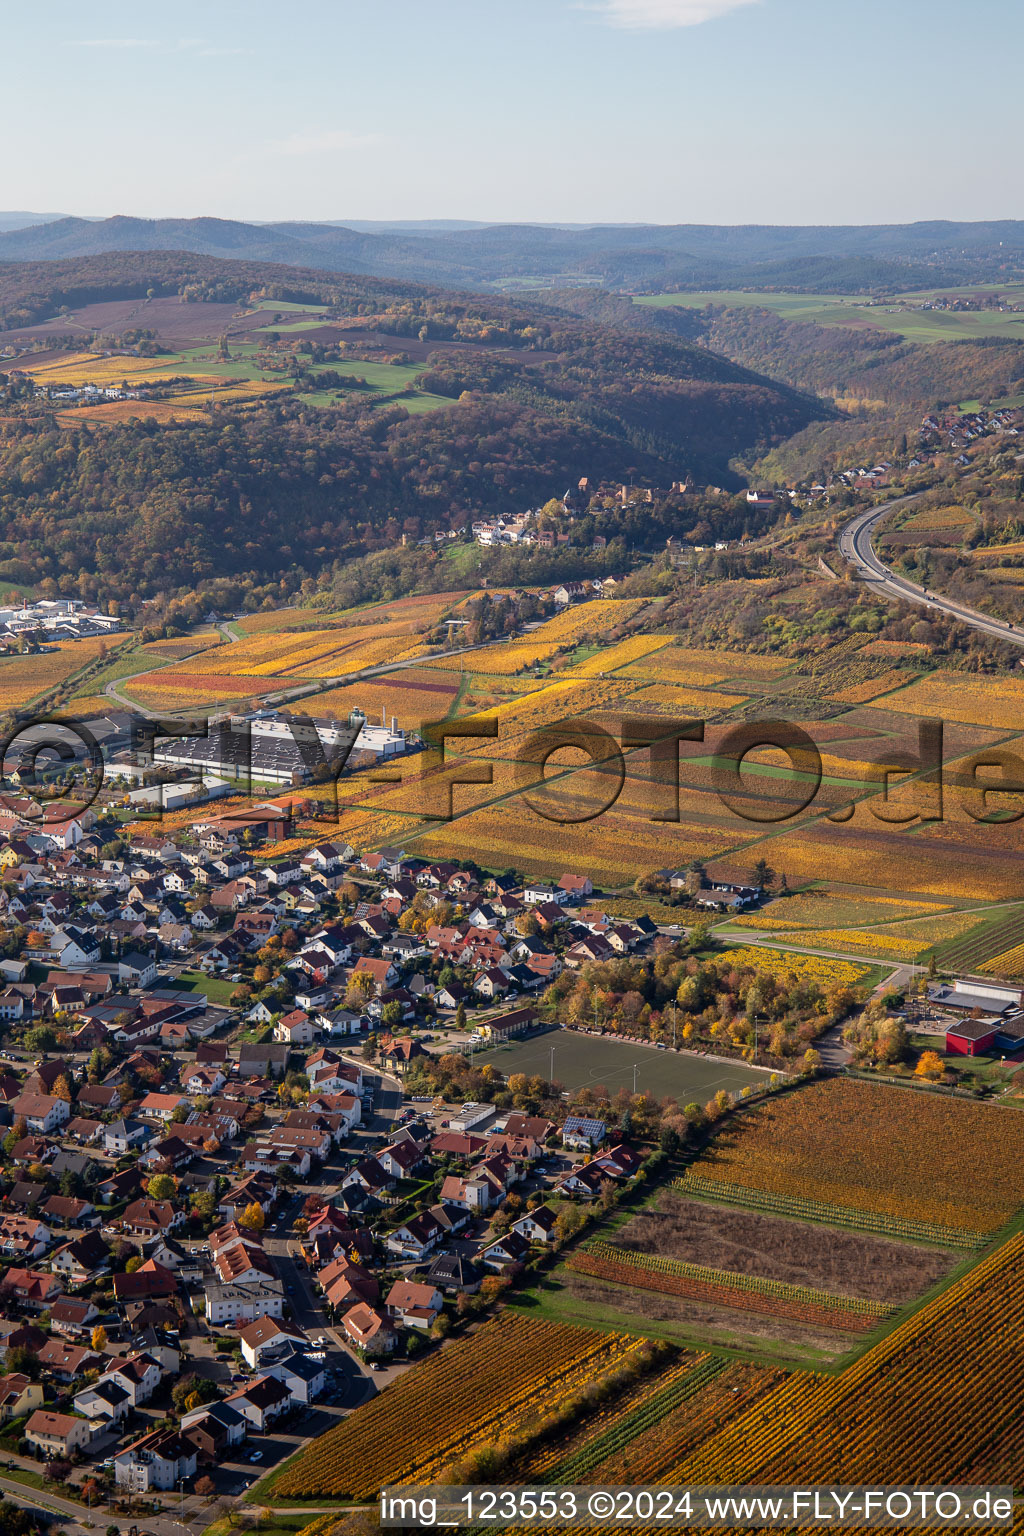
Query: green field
x=901, y=315
x=590, y=1061
x=286, y=307
x=381, y=378
x=1011, y=403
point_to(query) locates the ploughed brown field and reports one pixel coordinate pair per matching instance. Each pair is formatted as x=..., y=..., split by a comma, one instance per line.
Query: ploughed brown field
x=796, y=1252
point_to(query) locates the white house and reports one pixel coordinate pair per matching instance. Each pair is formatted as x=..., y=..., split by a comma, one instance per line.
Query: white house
x=267, y=1333
x=243, y=1303
x=137, y=970
x=161, y=1459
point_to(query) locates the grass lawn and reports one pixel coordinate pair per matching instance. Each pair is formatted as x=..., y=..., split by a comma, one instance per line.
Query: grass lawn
x=592, y=1060
x=217, y=991
x=275, y=1524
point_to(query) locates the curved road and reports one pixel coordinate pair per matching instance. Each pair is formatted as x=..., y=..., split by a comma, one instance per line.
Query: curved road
x=855, y=546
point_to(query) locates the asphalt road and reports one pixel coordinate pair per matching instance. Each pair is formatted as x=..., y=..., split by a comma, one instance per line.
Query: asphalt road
x=855, y=545
x=76, y=1520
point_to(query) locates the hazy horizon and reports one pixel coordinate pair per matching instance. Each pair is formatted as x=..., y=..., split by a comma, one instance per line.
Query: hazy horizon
x=574, y=112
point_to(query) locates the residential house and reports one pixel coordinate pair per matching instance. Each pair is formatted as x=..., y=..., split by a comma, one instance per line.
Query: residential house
x=302, y=1375
x=507, y=1251
x=261, y=1401
x=68, y=1362
x=162, y=1459
x=582, y=1133
x=537, y=1226
x=19, y=1396
x=57, y=1435
x=295, y=1028
x=267, y=1333
x=243, y=1303
x=369, y=1330
x=412, y=1304
x=41, y=1112
x=213, y=1429
x=417, y=1237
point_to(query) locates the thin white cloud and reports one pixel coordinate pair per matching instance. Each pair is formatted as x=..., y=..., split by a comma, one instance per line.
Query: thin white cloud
x=324, y=142
x=660, y=15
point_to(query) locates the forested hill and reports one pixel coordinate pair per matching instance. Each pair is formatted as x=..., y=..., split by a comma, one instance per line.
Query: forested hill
x=33, y=291
x=284, y=487
x=818, y=259
x=825, y=360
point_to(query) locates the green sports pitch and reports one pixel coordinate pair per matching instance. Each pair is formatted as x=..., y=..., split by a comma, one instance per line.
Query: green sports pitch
x=593, y=1061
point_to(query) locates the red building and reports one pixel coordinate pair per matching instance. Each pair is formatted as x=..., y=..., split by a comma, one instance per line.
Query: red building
x=972, y=1037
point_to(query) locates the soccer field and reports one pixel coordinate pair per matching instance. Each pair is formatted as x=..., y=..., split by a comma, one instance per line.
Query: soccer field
x=589, y=1061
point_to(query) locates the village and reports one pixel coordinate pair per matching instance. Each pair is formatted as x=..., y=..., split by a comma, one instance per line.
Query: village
x=220, y=1211
x=225, y=1203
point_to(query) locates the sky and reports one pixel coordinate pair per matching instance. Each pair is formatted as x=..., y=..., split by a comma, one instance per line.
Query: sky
x=586, y=111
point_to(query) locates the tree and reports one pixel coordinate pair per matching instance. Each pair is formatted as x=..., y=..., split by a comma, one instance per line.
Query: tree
x=204, y=1204
x=161, y=1187
x=133, y=1264
x=460, y=1015
x=810, y=1061
x=931, y=1067
x=253, y=1217
x=764, y=875
x=205, y=1486
x=23, y=1361
x=62, y=1088
x=569, y=1221
x=99, y=1063
x=99, y=1339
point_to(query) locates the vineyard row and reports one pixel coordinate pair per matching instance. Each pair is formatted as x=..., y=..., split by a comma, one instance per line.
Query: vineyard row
x=827, y=1213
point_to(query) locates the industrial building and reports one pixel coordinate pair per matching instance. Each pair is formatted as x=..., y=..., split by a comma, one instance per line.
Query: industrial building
x=270, y=750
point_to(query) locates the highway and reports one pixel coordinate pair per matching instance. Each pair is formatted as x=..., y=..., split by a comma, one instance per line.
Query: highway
x=855, y=546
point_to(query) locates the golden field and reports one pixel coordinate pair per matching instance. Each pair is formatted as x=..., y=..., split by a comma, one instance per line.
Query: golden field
x=416, y=697
x=113, y=411
x=683, y=664
x=939, y=517
x=23, y=679
x=817, y=969
x=978, y=700
x=418, y=613
x=668, y=699
x=811, y=1145
x=595, y=618
x=502, y=660
x=872, y=687
x=78, y=368
x=611, y=657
